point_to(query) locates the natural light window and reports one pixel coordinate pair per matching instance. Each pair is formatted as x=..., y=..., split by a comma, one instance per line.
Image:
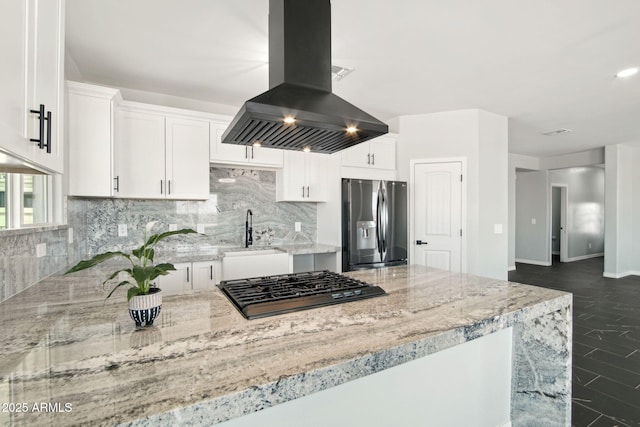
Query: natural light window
x=3, y=201
x=24, y=200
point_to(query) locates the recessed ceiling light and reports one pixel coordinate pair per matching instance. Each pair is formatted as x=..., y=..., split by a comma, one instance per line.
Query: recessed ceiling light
x=627, y=72
x=257, y=144
x=352, y=129
x=289, y=120
x=306, y=149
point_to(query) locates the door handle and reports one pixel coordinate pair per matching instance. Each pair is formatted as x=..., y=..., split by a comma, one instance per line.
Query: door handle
x=420, y=242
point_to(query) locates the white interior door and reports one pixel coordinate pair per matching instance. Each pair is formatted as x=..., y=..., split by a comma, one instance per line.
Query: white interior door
x=438, y=215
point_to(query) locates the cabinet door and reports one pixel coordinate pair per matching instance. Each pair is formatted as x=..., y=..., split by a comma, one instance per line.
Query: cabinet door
x=13, y=109
x=357, y=156
x=383, y=153
x=187, y=158
x=226, y=153
x=46, y=79
x=315, y=177
x=139, y=155
x=90, y=145
x=203, y=275
x=241, y=154
x=266, y=156
x=291, y=185
x=176, y=281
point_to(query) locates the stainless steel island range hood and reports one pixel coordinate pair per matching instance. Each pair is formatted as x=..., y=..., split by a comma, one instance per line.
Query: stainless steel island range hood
x=299, y=111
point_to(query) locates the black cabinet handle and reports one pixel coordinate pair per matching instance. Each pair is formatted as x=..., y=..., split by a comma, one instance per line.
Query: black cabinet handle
x=48, y=144
x=373, y=159
x=41, y=119
x=307, y=191
x=368, y=159
x=420, y=242
x=187, y=274
x=117, y=180
x=169, y=187
x=211, y=270
x=161, y=187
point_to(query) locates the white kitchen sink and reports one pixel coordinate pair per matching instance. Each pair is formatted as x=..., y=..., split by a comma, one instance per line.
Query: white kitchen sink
x=252, y=252
x=244, y=263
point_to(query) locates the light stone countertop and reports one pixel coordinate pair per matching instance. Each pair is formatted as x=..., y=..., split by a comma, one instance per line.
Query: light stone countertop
x=203, y=363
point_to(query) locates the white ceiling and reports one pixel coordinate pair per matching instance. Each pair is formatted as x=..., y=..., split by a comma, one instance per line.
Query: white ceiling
x=546, y=64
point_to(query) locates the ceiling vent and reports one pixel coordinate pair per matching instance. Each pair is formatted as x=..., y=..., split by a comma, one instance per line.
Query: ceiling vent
x=557, y=132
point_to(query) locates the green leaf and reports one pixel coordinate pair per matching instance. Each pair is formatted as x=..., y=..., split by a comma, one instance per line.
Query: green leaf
x=161, y=270
x=126, y=282
x=115, y=273
x=82, y=265
x=132, y=292
x=153, y=240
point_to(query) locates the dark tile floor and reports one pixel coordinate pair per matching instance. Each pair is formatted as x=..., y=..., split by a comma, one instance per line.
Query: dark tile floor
x=606, y=339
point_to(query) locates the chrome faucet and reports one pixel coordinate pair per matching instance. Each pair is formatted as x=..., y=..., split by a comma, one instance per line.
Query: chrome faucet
x=248, y=229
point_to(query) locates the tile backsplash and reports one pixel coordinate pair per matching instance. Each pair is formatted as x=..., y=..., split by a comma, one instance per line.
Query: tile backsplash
x=94, y=224
x=221, y=217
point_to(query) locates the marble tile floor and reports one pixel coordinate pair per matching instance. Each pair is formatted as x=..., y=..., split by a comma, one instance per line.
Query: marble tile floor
x=606, y=339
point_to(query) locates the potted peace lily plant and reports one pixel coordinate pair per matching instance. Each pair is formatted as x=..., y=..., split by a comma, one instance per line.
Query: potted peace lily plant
x=145, y=299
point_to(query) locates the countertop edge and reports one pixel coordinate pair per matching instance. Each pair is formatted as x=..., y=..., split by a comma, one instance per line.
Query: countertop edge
x=287, y=388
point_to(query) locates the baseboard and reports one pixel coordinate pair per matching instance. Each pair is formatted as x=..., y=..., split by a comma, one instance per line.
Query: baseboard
x=529, y=261
x=581, y=257
x=511, y=268
x=621, y=275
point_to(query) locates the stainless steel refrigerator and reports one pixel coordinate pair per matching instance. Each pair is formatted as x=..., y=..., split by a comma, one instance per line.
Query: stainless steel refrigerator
x=374, y=223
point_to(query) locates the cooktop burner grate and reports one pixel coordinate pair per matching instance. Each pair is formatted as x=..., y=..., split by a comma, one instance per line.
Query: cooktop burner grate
x=270, y=295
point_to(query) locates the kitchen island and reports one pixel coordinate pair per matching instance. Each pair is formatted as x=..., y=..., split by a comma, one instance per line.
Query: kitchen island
x=67, y=351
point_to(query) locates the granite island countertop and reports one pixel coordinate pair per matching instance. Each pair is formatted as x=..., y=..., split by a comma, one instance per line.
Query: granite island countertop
x=62, y=343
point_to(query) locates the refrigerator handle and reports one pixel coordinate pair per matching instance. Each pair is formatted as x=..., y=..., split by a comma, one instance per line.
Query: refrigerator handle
x=379, y=223
x=385, y=221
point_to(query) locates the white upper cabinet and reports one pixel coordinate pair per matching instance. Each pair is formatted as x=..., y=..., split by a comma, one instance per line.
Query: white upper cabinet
x=139, y=155
x=187, y=158
x=302, y=177
x=160, y=156
x=239, y=154
x=90, y=139
x=377, y=153
x=31, y=81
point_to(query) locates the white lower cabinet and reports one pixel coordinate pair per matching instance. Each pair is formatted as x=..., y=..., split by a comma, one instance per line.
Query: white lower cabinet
x=302, y=179
x=203, y=275
x=187, y=277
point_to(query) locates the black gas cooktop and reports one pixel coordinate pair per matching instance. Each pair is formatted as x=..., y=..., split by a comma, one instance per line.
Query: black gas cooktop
x=267, y=296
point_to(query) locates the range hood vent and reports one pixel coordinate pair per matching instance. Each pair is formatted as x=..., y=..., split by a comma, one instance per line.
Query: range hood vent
x=299, y=111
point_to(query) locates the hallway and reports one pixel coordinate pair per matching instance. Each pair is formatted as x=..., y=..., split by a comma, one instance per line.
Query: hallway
x=606, y=339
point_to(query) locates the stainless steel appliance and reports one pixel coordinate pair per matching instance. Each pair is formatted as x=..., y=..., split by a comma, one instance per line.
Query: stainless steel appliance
x=374, y=223
x=257, y=297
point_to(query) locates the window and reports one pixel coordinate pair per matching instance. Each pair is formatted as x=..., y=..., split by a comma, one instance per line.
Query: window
x=24, y=200
x=3, y=201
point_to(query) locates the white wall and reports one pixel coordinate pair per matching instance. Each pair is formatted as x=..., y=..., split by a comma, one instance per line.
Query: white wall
x=622, y=211
x=481, y=138
x=532, y=243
